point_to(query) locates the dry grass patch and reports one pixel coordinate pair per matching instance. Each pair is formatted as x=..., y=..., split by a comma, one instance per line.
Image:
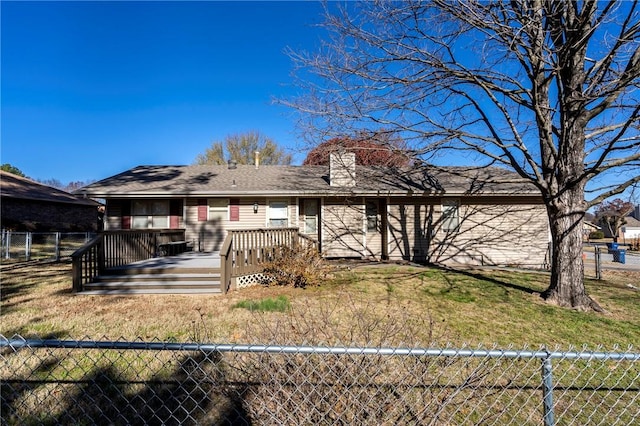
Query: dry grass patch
x=368, y=305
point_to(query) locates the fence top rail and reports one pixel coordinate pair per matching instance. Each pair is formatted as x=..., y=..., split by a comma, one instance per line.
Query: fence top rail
x=65, y=233
x=20, y=343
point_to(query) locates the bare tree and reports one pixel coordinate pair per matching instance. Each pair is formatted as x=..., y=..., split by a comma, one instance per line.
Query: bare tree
x=546, y=88
x=611, y=215
x=241, y=148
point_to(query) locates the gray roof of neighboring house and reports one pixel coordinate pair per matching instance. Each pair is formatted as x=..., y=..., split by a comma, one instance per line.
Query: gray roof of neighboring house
x=148, y=181
x=632, y=222
x=16, y=187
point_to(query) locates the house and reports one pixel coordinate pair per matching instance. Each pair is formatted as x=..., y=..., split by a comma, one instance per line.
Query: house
x=588, y=228
x=631, y=229
x=32, y=206
x=451, y=215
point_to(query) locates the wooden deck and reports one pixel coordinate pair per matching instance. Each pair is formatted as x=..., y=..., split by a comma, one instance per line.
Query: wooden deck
x=187, y=273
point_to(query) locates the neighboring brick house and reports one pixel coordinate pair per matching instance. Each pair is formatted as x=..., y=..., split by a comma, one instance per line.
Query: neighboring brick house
x=452, y=215
x=32, y=206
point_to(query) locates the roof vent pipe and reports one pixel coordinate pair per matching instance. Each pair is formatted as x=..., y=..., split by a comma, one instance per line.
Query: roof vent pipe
x=257, y=162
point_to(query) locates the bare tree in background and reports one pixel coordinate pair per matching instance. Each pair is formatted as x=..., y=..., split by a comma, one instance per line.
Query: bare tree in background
x=546, y=88
x=611, y=215
x=241, y=148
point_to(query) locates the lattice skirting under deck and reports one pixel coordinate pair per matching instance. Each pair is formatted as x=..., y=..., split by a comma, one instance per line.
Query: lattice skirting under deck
x=249, y=280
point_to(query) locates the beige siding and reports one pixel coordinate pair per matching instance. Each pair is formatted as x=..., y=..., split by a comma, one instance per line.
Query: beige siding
x=209, y=235
x=342, y=227
x=495, y=231
x=408, y=229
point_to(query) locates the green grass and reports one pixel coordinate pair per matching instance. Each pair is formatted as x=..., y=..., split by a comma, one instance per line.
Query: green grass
x=503, y=307
x=278, y=304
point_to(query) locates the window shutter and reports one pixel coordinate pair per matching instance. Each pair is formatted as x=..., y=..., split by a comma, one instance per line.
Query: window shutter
x=175, y=211
x=202, y=209
x=125, y=214
x=234, y=209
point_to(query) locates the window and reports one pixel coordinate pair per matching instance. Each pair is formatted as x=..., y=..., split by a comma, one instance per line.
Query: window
x=150, y=214
x=218, y=209
x=450, y=218
x=310, y=216
x=372, y=216
x=278, y=214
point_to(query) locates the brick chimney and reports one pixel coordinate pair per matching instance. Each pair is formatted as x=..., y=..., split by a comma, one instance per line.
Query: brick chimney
x=342, y=169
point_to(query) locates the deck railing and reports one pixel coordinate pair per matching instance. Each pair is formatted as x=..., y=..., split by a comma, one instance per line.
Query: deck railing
x=244, y=250
x=111, y=249
x=125, y=247
x=88, y=263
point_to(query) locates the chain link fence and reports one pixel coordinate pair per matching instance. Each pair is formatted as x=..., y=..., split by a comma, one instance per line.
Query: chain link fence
x=119, y=382
x=26, y=246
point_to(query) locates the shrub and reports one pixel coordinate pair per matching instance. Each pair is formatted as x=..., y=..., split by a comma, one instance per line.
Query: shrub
x=596, y=235
x=297, y=267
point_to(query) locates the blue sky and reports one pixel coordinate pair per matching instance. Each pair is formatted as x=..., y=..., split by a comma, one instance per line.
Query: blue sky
x=90, y=89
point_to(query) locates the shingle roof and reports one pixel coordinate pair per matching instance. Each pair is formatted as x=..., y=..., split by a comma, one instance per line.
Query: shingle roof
x=13, y=186
x=632, y=222
x=304, y=180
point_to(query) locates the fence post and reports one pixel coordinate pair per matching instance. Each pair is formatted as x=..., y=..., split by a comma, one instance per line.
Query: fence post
x=27, y=246
x=598, y=263
x=57, y=249
x=547, y=391
x=7, y=243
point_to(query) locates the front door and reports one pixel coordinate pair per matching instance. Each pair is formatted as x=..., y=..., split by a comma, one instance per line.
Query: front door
x=375, y=228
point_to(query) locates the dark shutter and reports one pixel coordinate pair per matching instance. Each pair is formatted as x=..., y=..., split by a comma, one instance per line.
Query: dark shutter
x=125, y=214
x=202, y=209
x=175, y=213
x=234, y=209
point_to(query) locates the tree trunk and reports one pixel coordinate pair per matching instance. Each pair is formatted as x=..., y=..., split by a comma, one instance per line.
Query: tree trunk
x=566, y=287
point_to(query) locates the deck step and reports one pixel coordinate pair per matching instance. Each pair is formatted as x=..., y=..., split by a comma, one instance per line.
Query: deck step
x=192, y=274
x=124, y=270
x=125, y=291
x=147, y=284
x=153, y=287
x=167, y=278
